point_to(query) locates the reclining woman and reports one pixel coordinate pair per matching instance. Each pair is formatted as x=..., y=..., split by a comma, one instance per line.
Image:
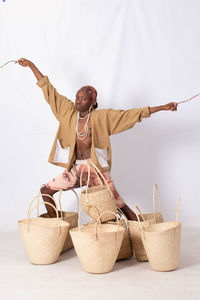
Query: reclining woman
x=83, y=136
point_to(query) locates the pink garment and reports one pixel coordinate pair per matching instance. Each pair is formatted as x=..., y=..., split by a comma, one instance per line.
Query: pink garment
x=71, y=179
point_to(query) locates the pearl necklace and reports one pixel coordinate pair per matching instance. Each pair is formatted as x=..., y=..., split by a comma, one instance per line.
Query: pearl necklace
x=83, y=133
x=82, y=118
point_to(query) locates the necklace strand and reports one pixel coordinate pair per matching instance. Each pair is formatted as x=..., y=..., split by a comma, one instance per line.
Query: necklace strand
x=80, y=133
x=82, y=118
x=83, y=133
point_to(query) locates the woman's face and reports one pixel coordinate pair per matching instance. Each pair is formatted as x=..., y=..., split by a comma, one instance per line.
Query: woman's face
x=83, y=101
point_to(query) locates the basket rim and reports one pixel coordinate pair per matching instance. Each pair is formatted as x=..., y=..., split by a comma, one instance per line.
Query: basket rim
x=90, y=228
x=72, y=213
x=52, y=222
x=97, y=189
x=174, y=225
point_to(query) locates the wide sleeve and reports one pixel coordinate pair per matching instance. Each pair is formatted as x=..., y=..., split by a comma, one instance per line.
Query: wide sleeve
x=121, y=120
x=59, y=104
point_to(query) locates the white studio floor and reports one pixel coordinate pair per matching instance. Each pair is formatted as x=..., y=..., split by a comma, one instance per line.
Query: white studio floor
x=66, y=279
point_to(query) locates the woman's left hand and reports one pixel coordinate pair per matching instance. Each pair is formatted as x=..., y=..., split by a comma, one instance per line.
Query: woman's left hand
x=170, y=106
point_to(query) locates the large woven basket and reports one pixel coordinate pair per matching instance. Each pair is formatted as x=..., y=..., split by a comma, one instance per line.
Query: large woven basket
x=156, y=215
x=97, y=245
x=126, y=250
x=69, y=216
x=136, y=238
x=99, y=197
x=43, y=239
x=162, y=244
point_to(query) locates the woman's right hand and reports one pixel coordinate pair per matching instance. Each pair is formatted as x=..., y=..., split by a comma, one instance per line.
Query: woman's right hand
x=24, y=62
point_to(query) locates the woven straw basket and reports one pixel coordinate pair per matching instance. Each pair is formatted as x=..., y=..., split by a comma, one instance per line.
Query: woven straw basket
x=99, y=197
x=43, y=239
x=157, y=215
x=126, y=250
x=69, y=216
x=97, y=245
x=136, y=238
x=162, y=244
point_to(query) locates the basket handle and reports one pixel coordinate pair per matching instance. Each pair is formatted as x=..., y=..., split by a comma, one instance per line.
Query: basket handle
x=77, y=198
x=79, y=215
x=99, y=221
x=121, y=213
x=155, y=188
x=40, y=203
x=37, y=197
x=98, y=173
x=136, y=210
x=81, y=177
x=88, y=180
x=39, y=193
x=143, y=218
x=101, y=175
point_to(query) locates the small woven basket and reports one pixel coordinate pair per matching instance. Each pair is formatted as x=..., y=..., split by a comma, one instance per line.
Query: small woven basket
x=100, y=197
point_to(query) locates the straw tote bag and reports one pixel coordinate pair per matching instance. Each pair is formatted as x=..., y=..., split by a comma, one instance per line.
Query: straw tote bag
x=97, y=245
x=162, y=244
x=136, y=238
x=157, y=215
x=126, y=250
x=69, y=216
x=43, y=239
x=100, y=197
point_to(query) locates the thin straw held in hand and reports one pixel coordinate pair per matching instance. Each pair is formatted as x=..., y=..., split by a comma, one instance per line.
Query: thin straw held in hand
x=7, y=63
x=189, y=98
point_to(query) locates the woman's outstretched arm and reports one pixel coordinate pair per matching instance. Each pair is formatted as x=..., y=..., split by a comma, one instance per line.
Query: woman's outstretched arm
x=27, y=63
x=60, y=105
x=170, y=106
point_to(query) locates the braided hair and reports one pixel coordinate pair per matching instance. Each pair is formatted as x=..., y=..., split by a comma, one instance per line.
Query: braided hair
x=92, y=92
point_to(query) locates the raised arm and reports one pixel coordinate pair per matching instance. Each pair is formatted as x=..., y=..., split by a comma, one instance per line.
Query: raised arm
x=27, y=63
x=121, y=120
x=170, y=106
x=59, y=104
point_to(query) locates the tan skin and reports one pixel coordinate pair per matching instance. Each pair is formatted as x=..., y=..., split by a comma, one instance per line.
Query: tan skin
x=83, y=103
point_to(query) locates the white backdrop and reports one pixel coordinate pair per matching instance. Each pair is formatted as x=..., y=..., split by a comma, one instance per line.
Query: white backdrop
x=135, y=53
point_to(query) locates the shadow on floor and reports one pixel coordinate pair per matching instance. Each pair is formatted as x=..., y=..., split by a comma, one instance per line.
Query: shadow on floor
x=67, y=255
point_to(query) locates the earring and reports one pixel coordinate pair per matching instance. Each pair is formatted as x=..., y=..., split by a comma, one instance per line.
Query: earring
x=90, y=109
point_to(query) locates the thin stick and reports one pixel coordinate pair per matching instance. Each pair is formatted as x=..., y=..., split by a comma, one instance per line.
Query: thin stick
x=7, y=63
x=177, y=102
x=190, y=98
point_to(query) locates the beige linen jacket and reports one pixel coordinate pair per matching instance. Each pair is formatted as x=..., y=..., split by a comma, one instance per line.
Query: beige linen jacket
x=104, y=122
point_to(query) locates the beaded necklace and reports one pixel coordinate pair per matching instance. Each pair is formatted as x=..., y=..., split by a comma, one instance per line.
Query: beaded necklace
x=84, y=132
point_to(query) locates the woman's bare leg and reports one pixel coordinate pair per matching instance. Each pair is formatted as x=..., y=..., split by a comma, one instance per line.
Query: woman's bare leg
x=50, y=210
x=129, y=213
